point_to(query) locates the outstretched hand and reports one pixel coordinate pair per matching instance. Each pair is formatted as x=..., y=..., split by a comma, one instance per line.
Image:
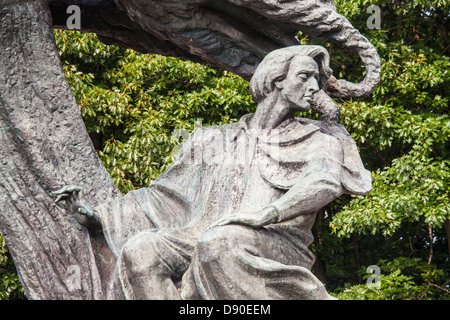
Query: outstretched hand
x=255, y=220
x=66, y=192
x=71, y=194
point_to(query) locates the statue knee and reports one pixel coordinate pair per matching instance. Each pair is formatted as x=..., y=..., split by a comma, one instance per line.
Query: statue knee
x=140, y=256
x=218, y=243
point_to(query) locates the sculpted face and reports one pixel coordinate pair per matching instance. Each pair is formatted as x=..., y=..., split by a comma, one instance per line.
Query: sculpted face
x=298, y=88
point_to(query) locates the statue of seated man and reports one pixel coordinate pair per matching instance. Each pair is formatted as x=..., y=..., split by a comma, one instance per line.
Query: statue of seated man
x=231, y=218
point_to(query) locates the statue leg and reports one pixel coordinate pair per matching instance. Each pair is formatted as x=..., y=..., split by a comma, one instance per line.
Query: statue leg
x=149, y=265
x=237, y=262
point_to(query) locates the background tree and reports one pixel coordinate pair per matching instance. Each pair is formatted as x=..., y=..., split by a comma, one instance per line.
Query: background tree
x=138, y=108
x=403, y=134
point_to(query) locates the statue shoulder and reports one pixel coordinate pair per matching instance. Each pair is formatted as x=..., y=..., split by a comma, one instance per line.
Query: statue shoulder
x=214, y=132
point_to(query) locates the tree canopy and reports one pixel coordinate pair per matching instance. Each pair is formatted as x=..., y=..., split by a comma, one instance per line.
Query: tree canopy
x=139, y=108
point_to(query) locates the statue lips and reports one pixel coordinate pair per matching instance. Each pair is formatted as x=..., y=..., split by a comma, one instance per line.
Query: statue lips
x=307, y=99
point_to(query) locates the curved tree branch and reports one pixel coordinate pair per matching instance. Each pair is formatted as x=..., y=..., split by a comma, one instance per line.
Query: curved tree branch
x=229, y=34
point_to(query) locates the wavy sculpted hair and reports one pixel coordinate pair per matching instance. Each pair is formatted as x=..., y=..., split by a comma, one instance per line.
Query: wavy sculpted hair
x=275, y=66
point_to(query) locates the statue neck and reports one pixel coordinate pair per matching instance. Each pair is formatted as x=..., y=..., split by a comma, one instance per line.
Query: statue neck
x=272, y=113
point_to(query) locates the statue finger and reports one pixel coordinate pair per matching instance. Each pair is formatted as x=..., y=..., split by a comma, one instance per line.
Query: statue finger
x=236, y=220
x=60, y=191
x=218, y=223
x=74, y=189
x=212, y=226
x=225, y=222
x=247, y=221
x=61, y=197
x=67, y=189
x=85, y=212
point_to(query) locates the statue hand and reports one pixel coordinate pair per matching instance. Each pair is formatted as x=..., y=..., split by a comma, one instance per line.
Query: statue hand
x=67, y=192
x=255, y=219
x=323, y=104
x=76, y=205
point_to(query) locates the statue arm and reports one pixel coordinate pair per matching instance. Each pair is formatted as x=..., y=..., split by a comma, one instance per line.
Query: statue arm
x=321, y=183
x=311, y=193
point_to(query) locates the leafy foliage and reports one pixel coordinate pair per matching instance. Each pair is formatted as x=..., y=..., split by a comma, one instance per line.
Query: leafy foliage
x=402, y=132
x=10, y=287
x=139, y=104
x=402, y=278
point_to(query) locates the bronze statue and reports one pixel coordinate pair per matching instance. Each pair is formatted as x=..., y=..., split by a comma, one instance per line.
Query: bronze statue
x=226, y=226
x=44, y=145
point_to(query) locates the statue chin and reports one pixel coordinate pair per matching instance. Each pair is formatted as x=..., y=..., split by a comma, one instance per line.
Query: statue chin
x=302, y=107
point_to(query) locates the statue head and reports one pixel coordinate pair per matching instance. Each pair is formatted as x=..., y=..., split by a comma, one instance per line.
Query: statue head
x=297, y=70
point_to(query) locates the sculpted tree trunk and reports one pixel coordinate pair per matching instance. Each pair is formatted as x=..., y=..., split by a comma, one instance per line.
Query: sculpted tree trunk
x=44, y=146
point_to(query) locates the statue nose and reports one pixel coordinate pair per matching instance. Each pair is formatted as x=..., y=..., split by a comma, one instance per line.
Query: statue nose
x=313, y=85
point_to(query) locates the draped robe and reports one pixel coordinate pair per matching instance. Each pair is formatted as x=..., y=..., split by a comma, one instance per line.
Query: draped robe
x=228, y=169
